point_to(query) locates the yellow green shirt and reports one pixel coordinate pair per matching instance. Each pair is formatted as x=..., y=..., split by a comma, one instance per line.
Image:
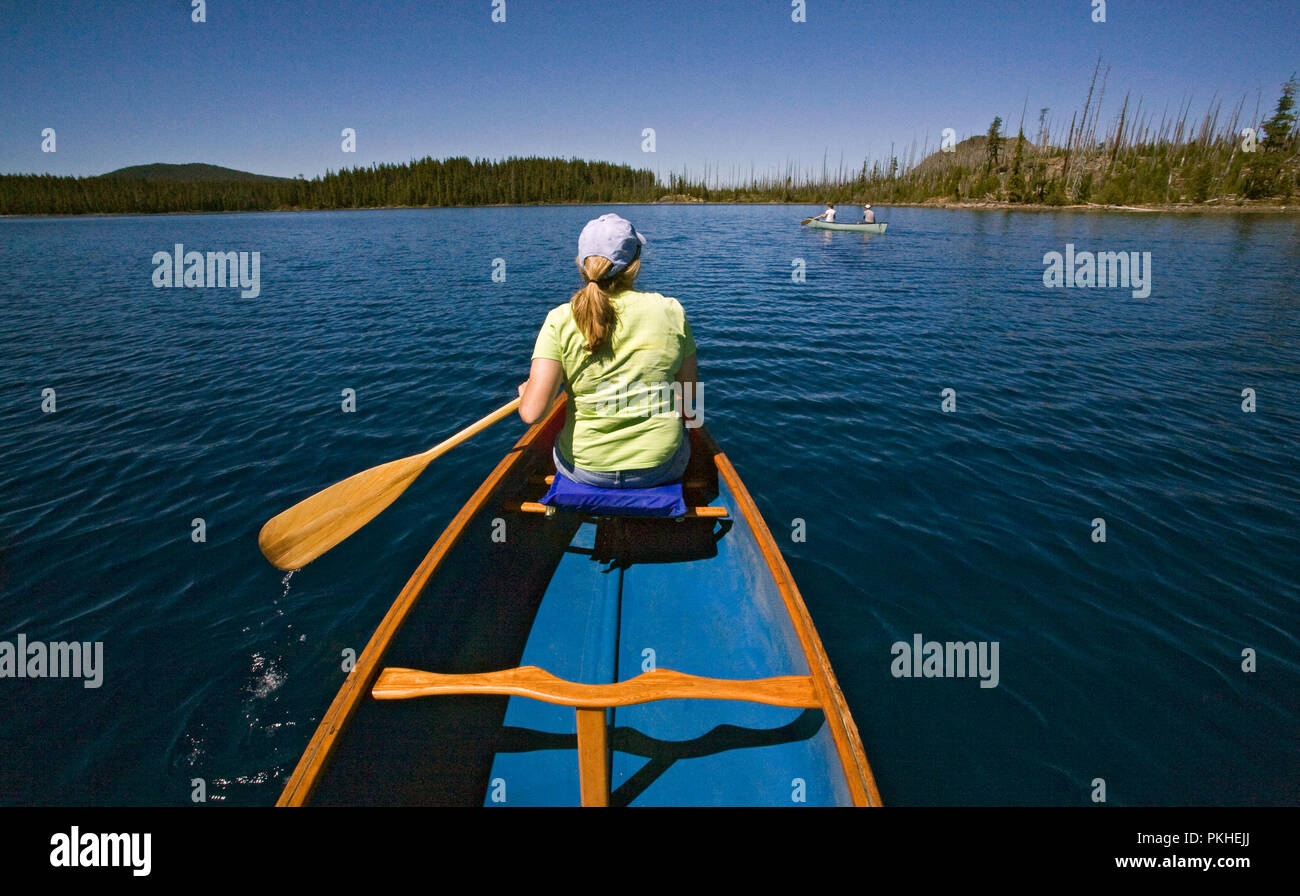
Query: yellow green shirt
x=623, y=414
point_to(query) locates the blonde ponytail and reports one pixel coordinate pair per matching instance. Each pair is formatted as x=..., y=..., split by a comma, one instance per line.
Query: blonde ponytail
x=592, y=310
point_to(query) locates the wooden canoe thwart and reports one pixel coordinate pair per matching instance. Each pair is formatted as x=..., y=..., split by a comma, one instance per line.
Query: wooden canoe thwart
x=586, y=699
x=560, y=659
x=691, y=512
x=657, y=684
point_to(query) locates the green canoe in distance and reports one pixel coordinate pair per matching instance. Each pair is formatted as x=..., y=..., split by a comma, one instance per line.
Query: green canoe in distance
x=878, y=227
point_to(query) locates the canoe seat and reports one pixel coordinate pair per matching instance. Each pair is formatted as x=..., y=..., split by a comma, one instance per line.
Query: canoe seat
x=661, y=500
x=658, y=501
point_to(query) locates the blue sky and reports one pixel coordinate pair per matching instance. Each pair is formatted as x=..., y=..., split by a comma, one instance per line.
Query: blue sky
x=269, y=86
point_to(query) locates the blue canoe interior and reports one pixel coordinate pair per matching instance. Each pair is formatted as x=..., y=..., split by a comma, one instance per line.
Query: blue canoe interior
x=592, y=600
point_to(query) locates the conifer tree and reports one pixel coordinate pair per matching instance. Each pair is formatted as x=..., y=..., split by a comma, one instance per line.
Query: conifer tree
x=994, y=143
x=1278, y=130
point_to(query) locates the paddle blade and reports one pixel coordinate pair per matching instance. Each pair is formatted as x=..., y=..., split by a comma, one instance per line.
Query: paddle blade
x=804, y=221
x=313, y=526
x=310, y=528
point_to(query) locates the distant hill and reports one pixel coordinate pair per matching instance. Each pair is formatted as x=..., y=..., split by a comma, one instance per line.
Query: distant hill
x=969, y=153
x=191, y=173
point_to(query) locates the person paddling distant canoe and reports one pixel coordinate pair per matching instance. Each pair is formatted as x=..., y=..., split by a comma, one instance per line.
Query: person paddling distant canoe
x=615, y=350
x=828, y=216
x=868, y=216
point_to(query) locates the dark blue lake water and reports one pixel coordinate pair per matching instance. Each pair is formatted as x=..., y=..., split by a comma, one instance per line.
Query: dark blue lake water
x=1119, y=659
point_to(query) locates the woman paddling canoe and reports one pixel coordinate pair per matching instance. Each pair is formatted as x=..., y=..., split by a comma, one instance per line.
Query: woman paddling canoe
x=623, y=358
x=828, y=216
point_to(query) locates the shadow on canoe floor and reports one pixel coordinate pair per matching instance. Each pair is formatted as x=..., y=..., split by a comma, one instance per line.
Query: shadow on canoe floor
x=663, y=753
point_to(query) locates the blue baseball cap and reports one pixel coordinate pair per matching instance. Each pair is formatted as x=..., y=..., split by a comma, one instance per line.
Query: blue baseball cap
x=612, y=237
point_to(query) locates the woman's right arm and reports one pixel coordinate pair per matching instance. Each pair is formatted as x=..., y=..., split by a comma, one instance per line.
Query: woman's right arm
x=538, y=391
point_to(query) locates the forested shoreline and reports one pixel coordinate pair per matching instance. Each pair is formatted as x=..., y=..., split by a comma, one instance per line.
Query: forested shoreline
x=426, y=182
x=1137, y=160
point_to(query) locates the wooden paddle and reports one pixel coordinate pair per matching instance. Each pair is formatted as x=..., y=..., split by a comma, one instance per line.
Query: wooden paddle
x=311, y=527
x=804, y=221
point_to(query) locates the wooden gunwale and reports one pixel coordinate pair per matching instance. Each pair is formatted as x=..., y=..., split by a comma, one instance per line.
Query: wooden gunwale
x=848, y=742
x=302, y=782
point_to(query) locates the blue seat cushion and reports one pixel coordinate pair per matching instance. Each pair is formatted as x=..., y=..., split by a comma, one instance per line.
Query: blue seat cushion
x=662, y=500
